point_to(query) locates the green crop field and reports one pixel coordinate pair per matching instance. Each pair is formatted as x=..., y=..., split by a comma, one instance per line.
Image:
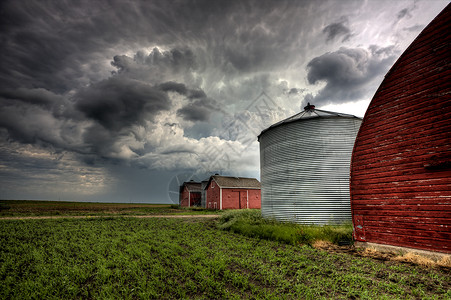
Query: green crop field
x=169, y=258
x=17, y=208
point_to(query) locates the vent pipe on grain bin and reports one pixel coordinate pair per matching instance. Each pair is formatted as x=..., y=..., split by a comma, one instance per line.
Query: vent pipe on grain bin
x=304, y=167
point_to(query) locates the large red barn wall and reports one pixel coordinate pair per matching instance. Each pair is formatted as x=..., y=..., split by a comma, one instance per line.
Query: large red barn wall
x=400, y=170
x=195, y=198
x=255, y=199
x=212, y=195
x=184, y=197
x=233, y=198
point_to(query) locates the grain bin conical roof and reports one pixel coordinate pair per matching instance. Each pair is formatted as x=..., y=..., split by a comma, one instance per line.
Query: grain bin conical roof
x=310, y=112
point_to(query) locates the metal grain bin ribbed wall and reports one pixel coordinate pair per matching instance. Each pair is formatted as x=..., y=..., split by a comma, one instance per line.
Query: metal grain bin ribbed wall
x=305, y=163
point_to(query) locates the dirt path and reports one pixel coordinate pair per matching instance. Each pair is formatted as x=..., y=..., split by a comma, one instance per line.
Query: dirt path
x=108, y=216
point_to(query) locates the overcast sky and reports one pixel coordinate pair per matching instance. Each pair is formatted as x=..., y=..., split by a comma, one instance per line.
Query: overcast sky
x=119, y=101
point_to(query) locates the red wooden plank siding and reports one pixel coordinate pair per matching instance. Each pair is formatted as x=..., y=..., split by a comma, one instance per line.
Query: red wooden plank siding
x=184, y=202
x=227, y=192
x=213, y=195
x=234, y=198
x=401, y=163
x=190, y=194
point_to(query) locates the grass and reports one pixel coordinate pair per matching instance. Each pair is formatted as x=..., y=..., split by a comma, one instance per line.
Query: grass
x=17, y=208
x=241, y=255
x=159, y=258
x=251, y=223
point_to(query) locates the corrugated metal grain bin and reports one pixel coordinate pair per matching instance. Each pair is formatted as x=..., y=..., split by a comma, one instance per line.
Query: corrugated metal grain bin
x=401, y=164
x=304, y=162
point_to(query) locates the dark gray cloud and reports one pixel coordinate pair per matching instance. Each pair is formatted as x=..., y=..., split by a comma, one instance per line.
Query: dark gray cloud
x=347, y=73
x=294, y=91
x=99, y=121
x=197, y=94
x=338, y=29
x=58, y=105
x=38, y=116
x=171, y=86
x=58, y=46
x=117, y=102
x=157, y=65
x=39, y=96
x=194, y=112
x=199, y=110
x=27, y=124
x=405, y=13
x=43, y=45
x=181, y=89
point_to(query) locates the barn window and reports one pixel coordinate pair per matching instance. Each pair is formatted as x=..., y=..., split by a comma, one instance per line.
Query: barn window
x=212, y=184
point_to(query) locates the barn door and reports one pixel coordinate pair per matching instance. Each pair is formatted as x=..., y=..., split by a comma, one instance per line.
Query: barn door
x=243, y=199
x=359, y=228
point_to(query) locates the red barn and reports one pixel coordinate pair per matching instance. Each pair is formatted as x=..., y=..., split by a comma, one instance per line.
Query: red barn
x=223, y=192
x=401, y=163
x=190, y=194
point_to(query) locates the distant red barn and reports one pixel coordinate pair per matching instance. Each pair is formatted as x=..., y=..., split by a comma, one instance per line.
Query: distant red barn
x=190, y=194
x=224, y=192
x=401, y=163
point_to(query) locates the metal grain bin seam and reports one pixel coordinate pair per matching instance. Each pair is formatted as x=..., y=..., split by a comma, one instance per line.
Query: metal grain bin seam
x=304, y=162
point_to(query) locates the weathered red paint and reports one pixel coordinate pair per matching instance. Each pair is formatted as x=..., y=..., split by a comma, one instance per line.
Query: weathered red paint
x=231, y=197
x=213, y=195
x=401, y=163
x=188, y=196
x=240, y=198
x=184, y=197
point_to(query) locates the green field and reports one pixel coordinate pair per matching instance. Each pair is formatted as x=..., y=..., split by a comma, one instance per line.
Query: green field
x=166, y=258
x=17, y=208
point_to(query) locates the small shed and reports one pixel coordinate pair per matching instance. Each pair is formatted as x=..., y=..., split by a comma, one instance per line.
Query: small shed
x=190, y=194
x=401, y=163
x=304, y=163
x=226, y=192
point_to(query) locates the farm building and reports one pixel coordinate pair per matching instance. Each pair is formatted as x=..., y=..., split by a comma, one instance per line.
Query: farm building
x=203, y=201
x=190, y=194
x=401, y=163
x=304, y=167
x=225, y=192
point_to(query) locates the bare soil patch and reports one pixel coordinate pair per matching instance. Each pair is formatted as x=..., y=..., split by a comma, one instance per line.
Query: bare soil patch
x=408, y=258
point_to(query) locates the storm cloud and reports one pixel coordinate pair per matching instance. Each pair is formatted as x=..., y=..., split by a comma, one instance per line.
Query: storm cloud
x=92, y=92
x=338, y=29
x=117, y=103
x=347, y=73
x=200, y=109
